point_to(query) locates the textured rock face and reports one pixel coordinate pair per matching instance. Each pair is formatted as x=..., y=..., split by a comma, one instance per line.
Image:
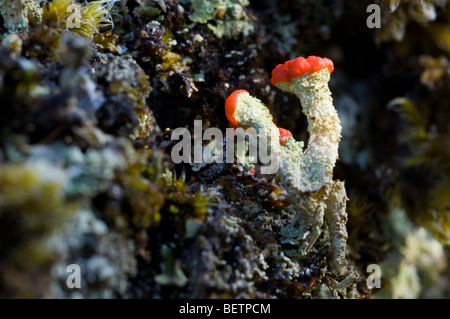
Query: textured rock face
x=86, y=178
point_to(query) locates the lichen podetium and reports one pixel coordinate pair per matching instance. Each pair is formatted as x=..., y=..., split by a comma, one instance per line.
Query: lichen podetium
x=306, y=174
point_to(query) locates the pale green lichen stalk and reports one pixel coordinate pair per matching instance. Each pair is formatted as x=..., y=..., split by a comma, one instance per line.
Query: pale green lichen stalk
x=306, y=174
x=254, y=114
x=312, y=169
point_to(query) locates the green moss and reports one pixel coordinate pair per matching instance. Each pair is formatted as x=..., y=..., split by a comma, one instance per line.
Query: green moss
x=15, y=13
x=106, y=42
x=181, y=200
x=170, y=59
x=143, y=194
x=35, y=191
x=33, y=209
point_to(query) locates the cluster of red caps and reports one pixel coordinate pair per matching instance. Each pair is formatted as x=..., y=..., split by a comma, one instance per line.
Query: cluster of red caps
x=282, y=73
x=299, y=66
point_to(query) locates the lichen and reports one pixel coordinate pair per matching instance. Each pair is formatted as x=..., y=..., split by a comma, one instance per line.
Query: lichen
x=305, y=174
x=417, y=269
x=84, y=20
x=33, y=198
x=85, y=139
x=226, y=18
x=17, y=14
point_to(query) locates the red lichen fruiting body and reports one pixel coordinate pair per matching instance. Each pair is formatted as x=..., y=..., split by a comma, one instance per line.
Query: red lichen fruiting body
x=283, y=135
x=298, y=67
x=318, y=63
x=230, y=106
x=280, y=74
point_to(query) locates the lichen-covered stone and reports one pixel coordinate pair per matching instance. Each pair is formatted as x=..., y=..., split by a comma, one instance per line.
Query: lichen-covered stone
x=85, y=123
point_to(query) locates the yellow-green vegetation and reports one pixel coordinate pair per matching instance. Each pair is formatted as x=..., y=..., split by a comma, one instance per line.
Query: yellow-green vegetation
x=36, y=190
x=429, y=153
x=180, y=199
x=435, y=70
x=32, y=202
x=83, y=20
x=142, y=191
